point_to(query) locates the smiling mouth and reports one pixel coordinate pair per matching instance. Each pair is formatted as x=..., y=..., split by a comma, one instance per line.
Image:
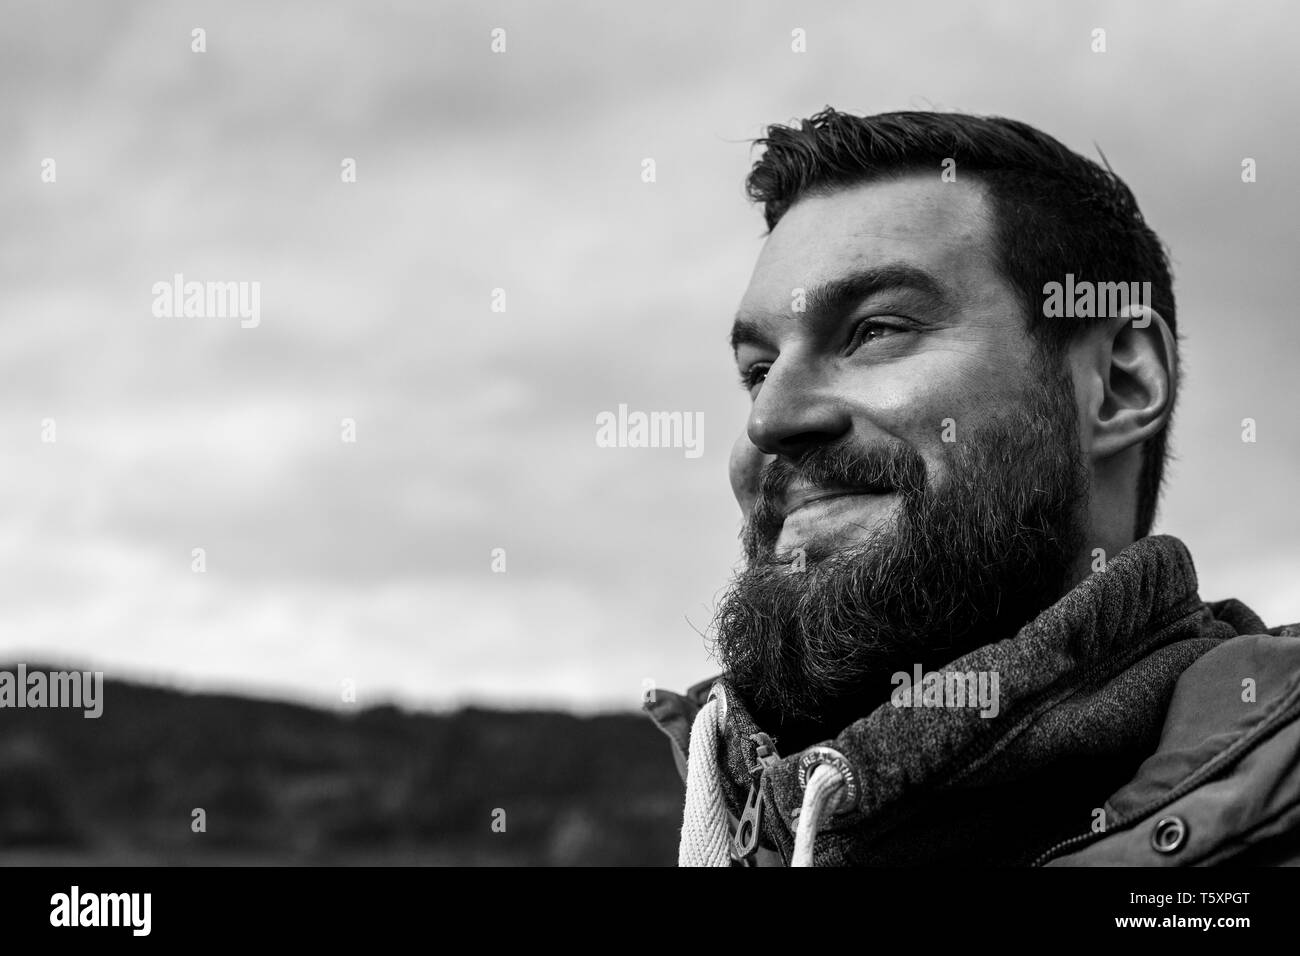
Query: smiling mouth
x=802, y=500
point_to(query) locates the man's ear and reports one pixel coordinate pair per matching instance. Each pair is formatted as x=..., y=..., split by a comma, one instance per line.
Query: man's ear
x=1138, y=377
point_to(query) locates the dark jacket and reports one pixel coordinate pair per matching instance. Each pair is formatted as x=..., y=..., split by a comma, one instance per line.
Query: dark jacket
x=1136, y=725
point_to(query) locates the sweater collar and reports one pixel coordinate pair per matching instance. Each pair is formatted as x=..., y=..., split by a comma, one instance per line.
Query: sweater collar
x=1086, y=682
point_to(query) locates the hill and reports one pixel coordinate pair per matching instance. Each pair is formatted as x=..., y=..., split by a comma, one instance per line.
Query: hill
x=281, y=783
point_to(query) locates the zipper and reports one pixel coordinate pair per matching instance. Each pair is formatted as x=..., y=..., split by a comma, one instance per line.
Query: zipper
x=745, y=842
x=1082, y=838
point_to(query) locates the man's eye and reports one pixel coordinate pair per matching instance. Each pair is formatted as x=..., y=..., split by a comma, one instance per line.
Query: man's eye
x=871, y=330
x=753, y=376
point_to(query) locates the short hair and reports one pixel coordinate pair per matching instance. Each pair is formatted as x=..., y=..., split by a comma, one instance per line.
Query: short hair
x=1055, y=212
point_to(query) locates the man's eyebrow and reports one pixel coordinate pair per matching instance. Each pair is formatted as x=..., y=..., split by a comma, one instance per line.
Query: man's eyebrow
x=839, y=295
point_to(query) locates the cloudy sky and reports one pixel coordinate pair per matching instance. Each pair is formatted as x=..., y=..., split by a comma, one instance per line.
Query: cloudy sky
x=371, y=560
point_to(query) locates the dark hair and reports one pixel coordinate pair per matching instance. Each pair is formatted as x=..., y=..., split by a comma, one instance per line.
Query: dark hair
x=1055, y=212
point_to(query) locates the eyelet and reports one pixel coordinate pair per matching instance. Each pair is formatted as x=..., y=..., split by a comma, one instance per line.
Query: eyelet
x=813, y=756
x=1169, y=835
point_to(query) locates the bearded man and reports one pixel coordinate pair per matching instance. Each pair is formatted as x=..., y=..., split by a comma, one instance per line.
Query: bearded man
x=954, y=639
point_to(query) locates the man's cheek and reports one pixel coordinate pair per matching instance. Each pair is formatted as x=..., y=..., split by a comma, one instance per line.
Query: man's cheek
x=933, y=406
x=745, y=469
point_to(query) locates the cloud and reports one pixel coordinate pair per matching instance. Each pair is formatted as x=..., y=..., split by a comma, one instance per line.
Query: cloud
x=475, y=429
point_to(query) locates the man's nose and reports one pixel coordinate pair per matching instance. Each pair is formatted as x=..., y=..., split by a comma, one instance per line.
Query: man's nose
x=795, y=411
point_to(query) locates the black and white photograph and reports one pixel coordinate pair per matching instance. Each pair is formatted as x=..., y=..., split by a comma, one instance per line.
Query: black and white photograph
x=575, y=435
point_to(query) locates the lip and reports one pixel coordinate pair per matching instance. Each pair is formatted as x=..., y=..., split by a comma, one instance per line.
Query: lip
x=801, y=498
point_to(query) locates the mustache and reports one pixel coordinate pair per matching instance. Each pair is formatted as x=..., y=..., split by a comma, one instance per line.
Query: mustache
x=894, y=466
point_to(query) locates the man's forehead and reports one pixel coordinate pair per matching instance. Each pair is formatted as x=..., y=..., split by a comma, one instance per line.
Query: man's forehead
x=942, y=227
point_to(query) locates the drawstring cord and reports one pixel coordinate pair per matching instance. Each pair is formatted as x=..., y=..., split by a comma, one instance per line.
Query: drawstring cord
x=706, y=837
x=825, y=786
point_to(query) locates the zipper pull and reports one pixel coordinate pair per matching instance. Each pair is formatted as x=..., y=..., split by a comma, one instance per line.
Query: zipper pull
x=767, y=755
x=745, y=843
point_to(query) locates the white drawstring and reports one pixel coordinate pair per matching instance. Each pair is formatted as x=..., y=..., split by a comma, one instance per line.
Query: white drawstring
x=825, y=786
x=705, y=835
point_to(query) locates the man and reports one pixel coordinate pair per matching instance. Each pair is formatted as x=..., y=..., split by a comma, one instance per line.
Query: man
x=954, y=640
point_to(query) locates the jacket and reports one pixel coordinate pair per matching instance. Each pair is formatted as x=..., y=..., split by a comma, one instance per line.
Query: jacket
x=1136, y=725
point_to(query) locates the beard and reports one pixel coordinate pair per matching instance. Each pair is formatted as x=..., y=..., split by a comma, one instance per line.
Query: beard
x=811, y=645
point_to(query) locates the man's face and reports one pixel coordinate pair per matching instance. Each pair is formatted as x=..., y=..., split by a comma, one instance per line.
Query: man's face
x=910, y=470
x=889, y=366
